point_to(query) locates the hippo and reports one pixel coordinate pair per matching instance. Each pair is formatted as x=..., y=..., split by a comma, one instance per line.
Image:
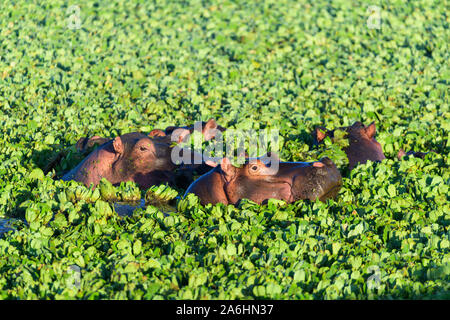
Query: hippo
x=84, y=144
x=129, y=157
x=258, y=181
x=208, y=129
x=144, y=159
x=362, y=144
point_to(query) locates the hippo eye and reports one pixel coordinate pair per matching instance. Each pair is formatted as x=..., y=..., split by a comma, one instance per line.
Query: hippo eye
x=254, y=168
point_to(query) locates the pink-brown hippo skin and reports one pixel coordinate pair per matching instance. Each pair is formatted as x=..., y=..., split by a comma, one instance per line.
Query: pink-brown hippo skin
x=84, y=144
x=209, y=128
x=130, y=157
x=362, y=144
x=144, y=159
x=259, y=182
x=186, y=173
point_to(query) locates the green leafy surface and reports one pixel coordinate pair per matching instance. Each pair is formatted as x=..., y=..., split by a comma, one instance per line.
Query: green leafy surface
x=289, y=65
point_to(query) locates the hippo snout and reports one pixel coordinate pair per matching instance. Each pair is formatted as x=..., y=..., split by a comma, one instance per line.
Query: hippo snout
x=322, y=171
x=327, y=162
x=318, y=182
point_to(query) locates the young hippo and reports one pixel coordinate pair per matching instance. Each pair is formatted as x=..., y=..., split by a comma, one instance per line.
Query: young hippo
x=257, y=181
x=362, y=144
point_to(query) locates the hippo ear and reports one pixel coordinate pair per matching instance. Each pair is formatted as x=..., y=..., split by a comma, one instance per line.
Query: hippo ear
x=180, y=135
x=85, y=143
x=118, y=145
x=156, y=133
x=320, y=133
x=371, y=130
x=210, y=129
x=81, y=144
x=211, y=124
x=227, y=167
x=401, y=153
x=169, y=130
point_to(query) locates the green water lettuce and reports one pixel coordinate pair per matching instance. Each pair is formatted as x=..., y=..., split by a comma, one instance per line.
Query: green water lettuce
x=279, y=64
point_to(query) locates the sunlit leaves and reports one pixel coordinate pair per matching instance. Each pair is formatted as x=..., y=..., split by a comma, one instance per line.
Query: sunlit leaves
x=287, y=65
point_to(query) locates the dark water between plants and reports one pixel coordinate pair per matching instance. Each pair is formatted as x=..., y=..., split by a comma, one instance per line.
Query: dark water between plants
x=127, y=208
x=6, y=225
x=121, y=208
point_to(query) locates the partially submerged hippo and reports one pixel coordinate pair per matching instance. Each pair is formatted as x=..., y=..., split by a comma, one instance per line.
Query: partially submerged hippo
x=207, y=128
x=84, y=144
x=144, y=159
x=362, y=144
x=259, y=182
x=130, y=157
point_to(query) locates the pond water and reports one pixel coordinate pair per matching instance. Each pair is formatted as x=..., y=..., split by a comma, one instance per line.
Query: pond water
x=122, y=209
x=6, y=225
x=127, y=208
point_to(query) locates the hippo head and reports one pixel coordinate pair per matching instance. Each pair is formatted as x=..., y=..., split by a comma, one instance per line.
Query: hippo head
x=140, y=158
x=144, y=159
x=141, y=153
x=259, y=181
x=362, y=144
x=208, y=129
